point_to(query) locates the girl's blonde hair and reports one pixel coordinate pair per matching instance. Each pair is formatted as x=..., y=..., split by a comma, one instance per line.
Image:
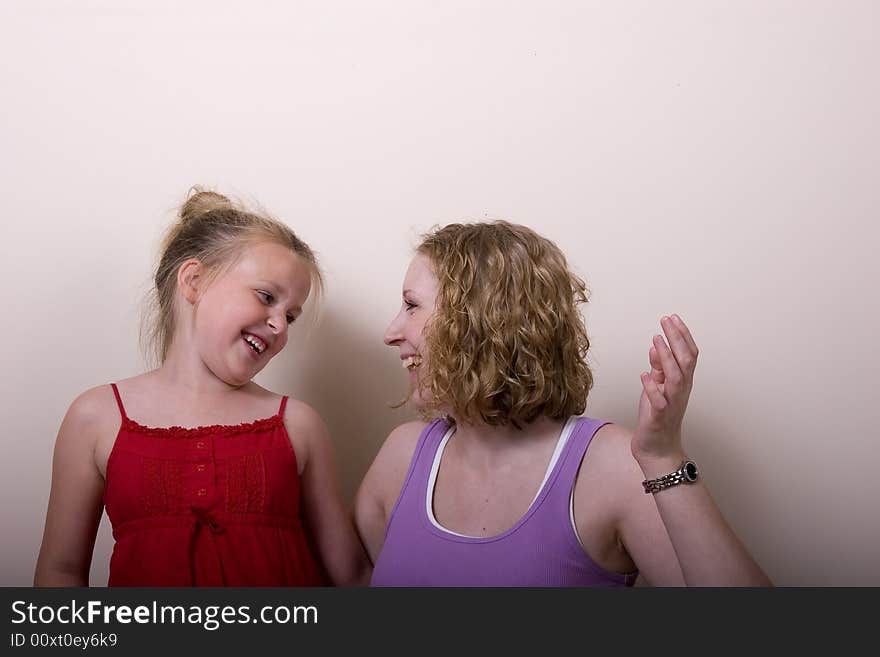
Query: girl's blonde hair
x=506, y=343
x=214, y=230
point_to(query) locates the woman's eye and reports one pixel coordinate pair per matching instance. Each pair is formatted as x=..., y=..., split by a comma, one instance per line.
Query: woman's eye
x=409, y=305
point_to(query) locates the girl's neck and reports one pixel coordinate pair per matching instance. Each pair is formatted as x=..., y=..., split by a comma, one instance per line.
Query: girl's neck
x=183, y=382
x=184, y=371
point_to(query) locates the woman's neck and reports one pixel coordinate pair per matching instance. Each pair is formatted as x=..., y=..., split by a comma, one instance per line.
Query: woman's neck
x=480, y=440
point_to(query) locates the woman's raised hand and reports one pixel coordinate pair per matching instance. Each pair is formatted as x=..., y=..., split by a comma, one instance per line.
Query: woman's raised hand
x=665, y=392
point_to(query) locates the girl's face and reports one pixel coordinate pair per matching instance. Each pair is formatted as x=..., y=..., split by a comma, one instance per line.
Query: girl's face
x=406, y=331
x=241, y=319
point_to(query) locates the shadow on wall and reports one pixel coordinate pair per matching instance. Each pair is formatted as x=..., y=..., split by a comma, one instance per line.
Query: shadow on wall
x=350, y=377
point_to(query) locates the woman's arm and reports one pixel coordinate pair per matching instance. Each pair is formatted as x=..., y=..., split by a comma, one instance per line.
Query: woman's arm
x=381, y=486
x=75, y=500
x=330, y=525
x=707, y=550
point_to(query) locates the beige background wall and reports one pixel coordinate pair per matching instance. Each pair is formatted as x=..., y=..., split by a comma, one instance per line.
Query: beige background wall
x=715, y=159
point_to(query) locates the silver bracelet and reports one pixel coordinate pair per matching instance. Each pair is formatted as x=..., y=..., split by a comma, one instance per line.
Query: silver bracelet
x=686, y=474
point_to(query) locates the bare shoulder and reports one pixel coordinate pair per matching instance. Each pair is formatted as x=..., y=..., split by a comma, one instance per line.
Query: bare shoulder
x=89, y=429
x=92, y=413
x=382, y=484
x=307, y=431
x=301, y=418
x=398, y=448
x=384, y=479
x=609, y=472
x=611, y=446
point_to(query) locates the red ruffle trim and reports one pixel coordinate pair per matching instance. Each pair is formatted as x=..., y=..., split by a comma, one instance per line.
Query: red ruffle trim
x=264, y=424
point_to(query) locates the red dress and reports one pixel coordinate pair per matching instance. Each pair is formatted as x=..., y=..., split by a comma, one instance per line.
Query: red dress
x=206, y=506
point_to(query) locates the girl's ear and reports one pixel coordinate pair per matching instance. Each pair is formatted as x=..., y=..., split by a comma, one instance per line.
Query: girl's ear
x=189, y=278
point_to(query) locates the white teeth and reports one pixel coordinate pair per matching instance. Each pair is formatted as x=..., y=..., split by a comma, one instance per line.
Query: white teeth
x=412, y=362
x=256, y=343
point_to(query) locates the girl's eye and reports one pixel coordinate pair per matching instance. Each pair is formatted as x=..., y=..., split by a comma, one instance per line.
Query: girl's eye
x=266, y=297
x=291, y=319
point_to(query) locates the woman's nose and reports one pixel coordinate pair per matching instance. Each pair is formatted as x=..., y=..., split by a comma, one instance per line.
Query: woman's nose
x=392, y=333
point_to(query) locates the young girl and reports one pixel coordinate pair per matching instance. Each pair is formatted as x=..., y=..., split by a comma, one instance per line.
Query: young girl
x=208, y=479
x=511, y=487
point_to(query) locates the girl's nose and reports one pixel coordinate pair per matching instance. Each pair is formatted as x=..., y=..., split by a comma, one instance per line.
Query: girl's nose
x=277, y=324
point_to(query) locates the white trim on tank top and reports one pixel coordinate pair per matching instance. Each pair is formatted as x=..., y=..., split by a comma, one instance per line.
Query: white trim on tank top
x=567, y=430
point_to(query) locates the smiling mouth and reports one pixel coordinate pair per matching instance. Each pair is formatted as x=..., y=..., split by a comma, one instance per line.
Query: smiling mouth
x=254, y=343
x=411, y=363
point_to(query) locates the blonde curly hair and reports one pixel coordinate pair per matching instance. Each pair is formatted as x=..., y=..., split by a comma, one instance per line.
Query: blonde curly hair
x=506, y=343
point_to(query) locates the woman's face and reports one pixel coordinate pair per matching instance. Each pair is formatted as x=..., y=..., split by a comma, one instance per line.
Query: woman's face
x=406, y=331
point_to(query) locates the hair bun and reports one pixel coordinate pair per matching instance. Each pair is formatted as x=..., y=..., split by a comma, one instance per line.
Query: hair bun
x=201, y=201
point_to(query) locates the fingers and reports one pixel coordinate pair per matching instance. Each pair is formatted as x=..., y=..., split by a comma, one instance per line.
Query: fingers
x=670, y=367
x=685, y=356
x=656, y=366
x=658, y=401
x=683, y=329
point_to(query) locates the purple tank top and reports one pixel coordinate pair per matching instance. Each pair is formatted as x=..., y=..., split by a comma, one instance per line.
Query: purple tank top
x=541, y=549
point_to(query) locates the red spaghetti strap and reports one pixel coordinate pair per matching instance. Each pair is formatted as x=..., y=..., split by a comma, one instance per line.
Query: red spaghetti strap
x=119, y=401
x=283, y=406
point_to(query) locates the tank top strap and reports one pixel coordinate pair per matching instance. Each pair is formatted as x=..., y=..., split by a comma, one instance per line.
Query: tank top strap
x=410, y=504
x=119, y=401
x=282, y=407
x=573, y=455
